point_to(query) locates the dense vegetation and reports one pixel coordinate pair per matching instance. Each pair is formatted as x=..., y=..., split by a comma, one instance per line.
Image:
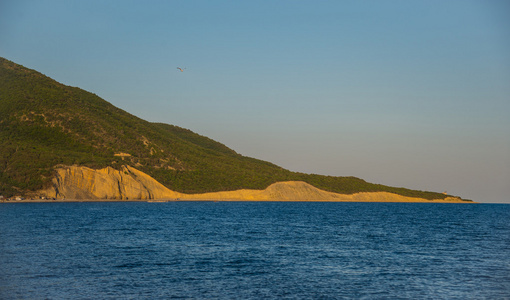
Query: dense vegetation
x=44, y=124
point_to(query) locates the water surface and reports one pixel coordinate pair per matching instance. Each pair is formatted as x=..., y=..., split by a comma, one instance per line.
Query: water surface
x=254, y=250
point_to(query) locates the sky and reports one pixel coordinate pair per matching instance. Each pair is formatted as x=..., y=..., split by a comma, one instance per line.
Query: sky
x=404, y=93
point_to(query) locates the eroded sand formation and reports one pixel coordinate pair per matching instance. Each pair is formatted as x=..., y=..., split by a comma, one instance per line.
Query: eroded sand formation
x=82, y=183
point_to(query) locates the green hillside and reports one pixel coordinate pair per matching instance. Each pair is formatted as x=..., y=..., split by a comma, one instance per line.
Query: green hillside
x=44, y=124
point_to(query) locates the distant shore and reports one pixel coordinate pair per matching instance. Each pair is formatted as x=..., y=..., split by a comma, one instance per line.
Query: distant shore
x=228, y=200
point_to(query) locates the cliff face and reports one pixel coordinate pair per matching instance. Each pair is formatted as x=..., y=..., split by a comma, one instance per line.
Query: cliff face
x=85, y=183
x=129, y=183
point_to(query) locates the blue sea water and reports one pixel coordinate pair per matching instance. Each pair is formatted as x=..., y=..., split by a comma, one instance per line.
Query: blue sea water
x=254, y=250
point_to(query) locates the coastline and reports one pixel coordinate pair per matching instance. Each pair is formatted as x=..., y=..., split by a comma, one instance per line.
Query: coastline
x=416, y=200
x=82, y=184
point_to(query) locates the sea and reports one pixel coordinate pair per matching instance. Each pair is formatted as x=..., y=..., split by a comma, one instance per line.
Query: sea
x=254, y=250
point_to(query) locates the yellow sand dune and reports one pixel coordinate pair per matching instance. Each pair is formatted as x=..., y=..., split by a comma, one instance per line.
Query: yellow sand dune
x=82, y=183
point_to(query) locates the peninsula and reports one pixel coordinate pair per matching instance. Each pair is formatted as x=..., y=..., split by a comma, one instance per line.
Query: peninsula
x=64, y=143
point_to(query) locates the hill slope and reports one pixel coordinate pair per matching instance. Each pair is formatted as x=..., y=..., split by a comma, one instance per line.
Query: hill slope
x=45, y=124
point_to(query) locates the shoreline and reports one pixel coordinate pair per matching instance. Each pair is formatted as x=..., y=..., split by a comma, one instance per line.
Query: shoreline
x=232, y=200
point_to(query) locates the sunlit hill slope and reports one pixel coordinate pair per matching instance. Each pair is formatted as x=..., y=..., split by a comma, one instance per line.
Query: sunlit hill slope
x=45, y=125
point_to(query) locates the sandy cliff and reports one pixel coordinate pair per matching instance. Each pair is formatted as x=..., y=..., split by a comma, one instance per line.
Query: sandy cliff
x=83, y=183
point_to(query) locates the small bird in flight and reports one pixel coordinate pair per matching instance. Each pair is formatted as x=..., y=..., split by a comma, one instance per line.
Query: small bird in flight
x=182, y=70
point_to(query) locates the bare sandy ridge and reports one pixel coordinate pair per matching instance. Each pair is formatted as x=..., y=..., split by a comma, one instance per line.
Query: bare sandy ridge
x=82, y=183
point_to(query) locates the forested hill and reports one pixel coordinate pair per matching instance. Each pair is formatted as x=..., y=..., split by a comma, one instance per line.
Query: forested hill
x=45, y=124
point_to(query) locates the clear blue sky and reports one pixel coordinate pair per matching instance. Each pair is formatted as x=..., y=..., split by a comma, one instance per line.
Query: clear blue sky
x=403, y=93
